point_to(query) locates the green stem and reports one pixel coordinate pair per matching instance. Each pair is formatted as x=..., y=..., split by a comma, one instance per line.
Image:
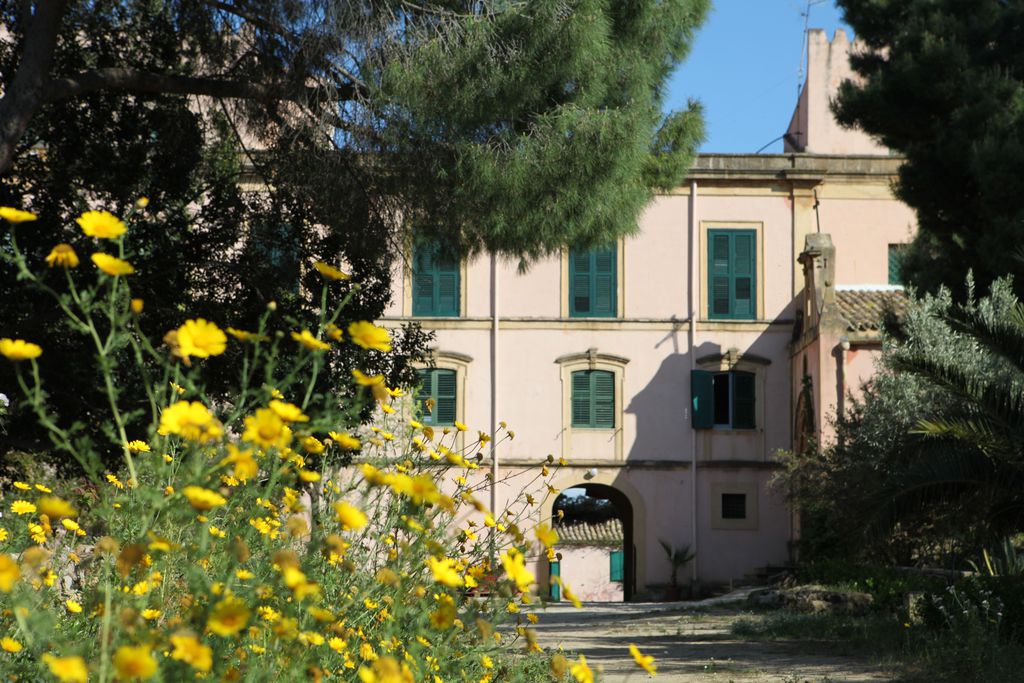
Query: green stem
x=105, y=628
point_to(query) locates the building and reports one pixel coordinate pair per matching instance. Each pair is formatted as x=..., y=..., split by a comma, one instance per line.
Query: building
x=663, y=368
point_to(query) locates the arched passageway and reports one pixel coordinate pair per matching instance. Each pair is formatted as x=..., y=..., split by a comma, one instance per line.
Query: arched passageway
x=596, y=547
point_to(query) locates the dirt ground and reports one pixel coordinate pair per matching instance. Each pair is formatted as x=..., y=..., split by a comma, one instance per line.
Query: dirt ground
x=692, y=645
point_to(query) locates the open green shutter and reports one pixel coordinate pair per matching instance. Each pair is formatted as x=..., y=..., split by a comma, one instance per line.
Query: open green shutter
x=444, y=394
x=604, y=268
x=743, y=400
x=702, y=394
x=580, y=278
x=615, y=569
x=581, y=416
x=719, y=281
x=423, y=301
x=603, y=393
x=743, y=280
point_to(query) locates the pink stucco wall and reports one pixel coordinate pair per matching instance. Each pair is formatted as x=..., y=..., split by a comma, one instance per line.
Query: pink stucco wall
x=587, y=570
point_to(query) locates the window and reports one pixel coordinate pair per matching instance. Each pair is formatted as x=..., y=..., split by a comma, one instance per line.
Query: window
x=438, y=386
x=615, y=569
x=593, y=290
x=593, y=399
x=723, y=399
x=732, y=274
x=896, y=255
x=435, y=282
x=734, y=506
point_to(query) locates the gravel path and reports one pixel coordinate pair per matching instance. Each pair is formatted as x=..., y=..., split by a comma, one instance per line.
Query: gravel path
x=692, y=644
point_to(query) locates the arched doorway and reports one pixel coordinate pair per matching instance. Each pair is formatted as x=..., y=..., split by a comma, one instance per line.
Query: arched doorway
x=596, y=547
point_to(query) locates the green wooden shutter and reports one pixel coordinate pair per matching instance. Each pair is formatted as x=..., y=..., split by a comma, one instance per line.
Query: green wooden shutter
x=439, y=385
x=604, y=268
x=593, y=287
x=743, y=400
x=732, y=274
x=581, y=399
x=603, y=396
x=896, y=264
x=580, y=278
x=719, y=271
x=616, y=565
x=743, y=281
x=436, y=282
x=423, y=280
x=702, y=394
x=424, y=392
x=444, y=395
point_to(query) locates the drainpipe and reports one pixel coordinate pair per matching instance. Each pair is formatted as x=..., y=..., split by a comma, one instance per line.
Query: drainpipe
x=694, y=244
x=494, y=384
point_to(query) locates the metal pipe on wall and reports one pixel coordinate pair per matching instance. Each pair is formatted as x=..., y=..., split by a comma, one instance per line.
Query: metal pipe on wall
x=693, y=245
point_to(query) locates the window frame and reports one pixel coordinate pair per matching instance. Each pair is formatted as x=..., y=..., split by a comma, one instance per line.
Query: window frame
x=591, y=359
x=758, y=279
x=750, y=490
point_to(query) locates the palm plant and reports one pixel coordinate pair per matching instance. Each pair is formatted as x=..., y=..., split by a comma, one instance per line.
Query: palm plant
x=677, y=557
x=970, y=454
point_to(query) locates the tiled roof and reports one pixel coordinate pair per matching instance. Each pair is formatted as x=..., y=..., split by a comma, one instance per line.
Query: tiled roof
x=583, y=533
x=864, y=308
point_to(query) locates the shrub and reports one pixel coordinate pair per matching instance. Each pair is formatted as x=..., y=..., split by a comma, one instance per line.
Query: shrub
x=234, y=543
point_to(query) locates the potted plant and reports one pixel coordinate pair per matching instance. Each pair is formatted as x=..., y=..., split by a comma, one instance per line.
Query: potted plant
x=678, y=558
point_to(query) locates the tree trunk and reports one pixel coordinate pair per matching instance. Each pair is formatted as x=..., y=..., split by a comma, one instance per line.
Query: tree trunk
x=24, y=96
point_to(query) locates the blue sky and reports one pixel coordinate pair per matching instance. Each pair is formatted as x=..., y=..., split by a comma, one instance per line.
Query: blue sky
x=744, y=68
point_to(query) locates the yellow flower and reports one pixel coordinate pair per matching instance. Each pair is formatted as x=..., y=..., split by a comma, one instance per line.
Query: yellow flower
x=581, y=672
x=460, y=426
x=245, y=466
x=243, y=336
x=546, y=535
x=288, y=412
x=309, y=341
x=3, y=534
x=115, y=481
x=9, y=645
x=345, y=441
x=73, y=606
x=102, y=224
x=203, y=499
x=12, y=215
x=645, y=662
x=189, y=649
x=22, y=507
x=369, y=336
x=137, y=305
x=487, y=662
x=266, y=429
x=201, y=339
x=228, y=617
x=55, y=508
x=330, y=272
x=9, y=573
x=312, y=445
x=444, y=572
x=134, y=662
x=138, y=446
x=515, y=566
x=62, y=256
x=386, y=670
x=19, y=349
x=334, y=332
x=67, y=669
x=192, y=421
x=111, y=265
x=150, y=614
x=349, y=516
